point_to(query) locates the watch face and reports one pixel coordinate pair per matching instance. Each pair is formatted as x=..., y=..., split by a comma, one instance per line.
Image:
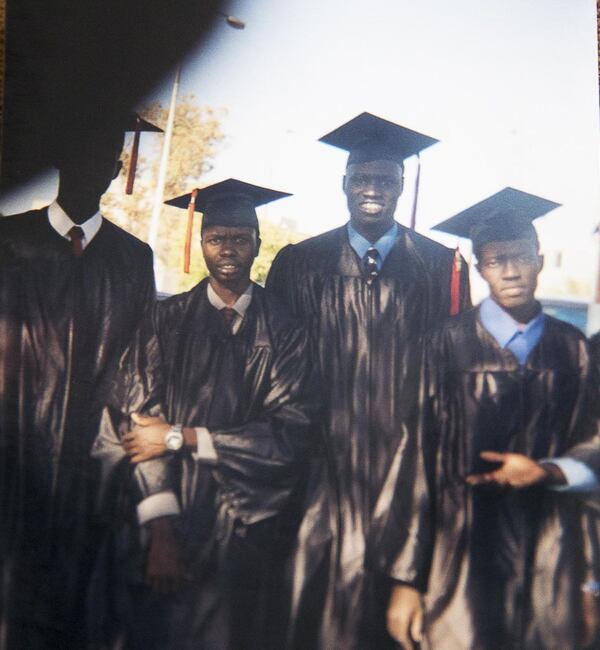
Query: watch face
x=173, y=440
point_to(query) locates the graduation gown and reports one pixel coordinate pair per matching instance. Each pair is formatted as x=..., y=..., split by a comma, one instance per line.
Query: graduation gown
x=64, y=323
x=368, y=338
x=256, y=392
x=502, y=568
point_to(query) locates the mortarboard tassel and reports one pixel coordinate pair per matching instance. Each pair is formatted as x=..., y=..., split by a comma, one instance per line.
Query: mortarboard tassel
x=413, y=216
x=455, y=283
x=188, y=234
x=134, y=157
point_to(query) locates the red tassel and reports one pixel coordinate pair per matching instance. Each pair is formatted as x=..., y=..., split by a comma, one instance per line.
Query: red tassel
x=455, y=283
x=188, y=234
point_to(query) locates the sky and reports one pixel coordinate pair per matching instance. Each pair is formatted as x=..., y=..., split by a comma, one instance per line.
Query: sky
x=508, y=87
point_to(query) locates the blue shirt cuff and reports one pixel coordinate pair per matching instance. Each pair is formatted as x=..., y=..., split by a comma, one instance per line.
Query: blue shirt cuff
x=579, y=477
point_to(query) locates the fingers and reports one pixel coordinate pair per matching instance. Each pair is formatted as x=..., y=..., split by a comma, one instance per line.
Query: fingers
x=144, y=420
x=416, y=627
x=481, y=479
x=493, y=456
x=399, y=626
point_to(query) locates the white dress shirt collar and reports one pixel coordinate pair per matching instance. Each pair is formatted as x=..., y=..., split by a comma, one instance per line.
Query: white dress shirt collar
x=62, y=223
x=240, y=306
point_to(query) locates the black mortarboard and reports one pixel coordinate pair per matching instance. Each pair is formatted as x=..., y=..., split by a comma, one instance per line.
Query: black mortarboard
x=368, y=137
x=504, y=216
x=136, y=124
x=227, y=203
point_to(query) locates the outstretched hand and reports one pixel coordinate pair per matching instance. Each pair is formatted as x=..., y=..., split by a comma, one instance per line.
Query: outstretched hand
x=147, y=438
x=405, y=616
x=516, y=471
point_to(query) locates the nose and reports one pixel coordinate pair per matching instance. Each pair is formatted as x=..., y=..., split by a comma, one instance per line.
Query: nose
x=227, y=249
x=511, y=270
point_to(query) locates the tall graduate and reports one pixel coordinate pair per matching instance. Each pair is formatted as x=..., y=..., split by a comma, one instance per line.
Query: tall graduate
x=367, y=292
x=73, y=286
x=214, y=406
x=490, y=548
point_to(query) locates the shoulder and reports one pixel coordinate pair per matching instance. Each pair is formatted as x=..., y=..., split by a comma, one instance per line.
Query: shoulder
x=125, y=238
x=561, y=328
x=179, y=302
x=315, y=245
x=18, y=224
x=276, y=315
x=430, y=250
x=454, y=327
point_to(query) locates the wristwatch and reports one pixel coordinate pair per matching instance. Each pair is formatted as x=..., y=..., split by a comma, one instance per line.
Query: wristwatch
x=174, y=437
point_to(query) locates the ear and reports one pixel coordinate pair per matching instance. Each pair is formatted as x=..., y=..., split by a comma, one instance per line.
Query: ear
x=118, y=168
x=540, y=263
x=478, y=268
x=258, y=243
x=344, y=183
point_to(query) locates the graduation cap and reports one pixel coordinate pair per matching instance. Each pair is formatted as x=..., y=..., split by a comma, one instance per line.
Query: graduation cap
x=227, y=203
x=136, y=124
x=504, y=216
x=367, y=138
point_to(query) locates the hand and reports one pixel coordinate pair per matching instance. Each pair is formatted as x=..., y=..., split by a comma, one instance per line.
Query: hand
x=147, y=440
x=405, y=616
x=590, y=619
x=517, y=471
x=164, y=571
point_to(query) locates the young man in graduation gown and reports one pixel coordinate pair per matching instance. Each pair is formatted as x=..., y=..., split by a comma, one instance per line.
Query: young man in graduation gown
x=367, y=291
x=73, y=286
x=214, y=404
x=496, y=557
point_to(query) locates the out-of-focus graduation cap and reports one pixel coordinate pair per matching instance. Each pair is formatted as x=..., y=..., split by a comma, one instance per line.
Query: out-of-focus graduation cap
x=498, y=212
x=136, y=124
x=227, y=203
x=368, y=137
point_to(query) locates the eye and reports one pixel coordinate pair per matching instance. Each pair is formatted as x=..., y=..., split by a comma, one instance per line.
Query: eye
x=491, y=263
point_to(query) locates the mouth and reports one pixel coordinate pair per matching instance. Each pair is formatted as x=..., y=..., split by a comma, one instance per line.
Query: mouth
x=228, y=268
x=513, y=292
x=371, y=207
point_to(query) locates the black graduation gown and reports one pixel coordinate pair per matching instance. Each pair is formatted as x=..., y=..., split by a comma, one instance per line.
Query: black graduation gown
x=368, y=339
x=502, y=568
x=256, y=393
x=64, y=323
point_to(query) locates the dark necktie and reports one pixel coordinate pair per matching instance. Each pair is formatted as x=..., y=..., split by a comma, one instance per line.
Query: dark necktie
x=370, y=264
x=228, y=316
x=76, y=235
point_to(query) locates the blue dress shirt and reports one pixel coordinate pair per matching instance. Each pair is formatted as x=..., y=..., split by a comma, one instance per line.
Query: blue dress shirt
x=518, y=338
x=383, y=245
x=521, y=340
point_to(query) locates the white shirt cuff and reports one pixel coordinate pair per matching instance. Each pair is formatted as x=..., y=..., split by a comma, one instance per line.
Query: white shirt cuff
x=162, y=504
x=205, y=450
x=579, y=477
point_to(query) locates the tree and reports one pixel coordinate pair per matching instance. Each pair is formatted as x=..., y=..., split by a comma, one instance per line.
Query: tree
x=196, y=137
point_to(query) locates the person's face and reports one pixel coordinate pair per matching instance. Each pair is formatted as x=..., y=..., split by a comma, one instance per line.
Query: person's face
x=87, y=170
x=372, y=190
x=511, y=270
x=229, y=252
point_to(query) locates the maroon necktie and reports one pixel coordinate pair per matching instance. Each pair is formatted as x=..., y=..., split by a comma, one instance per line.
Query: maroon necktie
x=228, y=315
x=76, y=235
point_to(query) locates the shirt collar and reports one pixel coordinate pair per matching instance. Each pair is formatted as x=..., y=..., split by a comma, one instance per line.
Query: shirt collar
x=62, y=223
x=241, y=304
x=502, y=326
x=383, y=245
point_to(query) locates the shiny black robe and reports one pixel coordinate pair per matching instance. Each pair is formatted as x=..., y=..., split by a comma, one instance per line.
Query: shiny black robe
x=501, y=568
x=64, y=323
x=368, y=338
x=257, y=394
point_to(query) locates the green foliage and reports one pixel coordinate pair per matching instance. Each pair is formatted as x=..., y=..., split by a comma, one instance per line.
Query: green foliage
x=196, y=137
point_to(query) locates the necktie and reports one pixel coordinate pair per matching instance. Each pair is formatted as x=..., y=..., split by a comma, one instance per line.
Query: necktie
x=76, y=235
x=370, y=263
x=228, y=315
